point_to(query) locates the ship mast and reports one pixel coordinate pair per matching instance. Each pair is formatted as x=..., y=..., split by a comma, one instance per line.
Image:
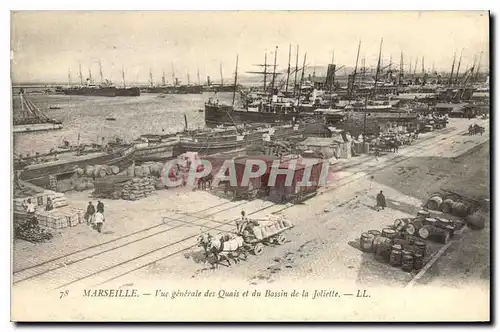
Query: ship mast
x=265, y=70
x=478, y=66
x=100, y=72
x=90, y=76
x=123, y=76
x=150, y=78
x=354, y=73
x=401, y=69
x=235, y=80
x=174, y=81
x=458, y=67
x=80, y=72
x=452, y=69
x=288, y=70
x=163, y=81
x=378, y=68
x=274, y=72
x=69, y=76
x=198, y=74
x=296, y=70
x=415, y=67
x=188, y=80
x=301, y=79
x=221, y=76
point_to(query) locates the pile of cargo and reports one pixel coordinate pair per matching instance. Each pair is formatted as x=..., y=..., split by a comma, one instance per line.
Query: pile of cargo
x=145, y=170
x=98, y=171
x=265, y=228
x=32, y=233
x=40, y=200
x=60, y=218
x=138, y=188
x=459, y=206
x=404, y=244
x=126, y=187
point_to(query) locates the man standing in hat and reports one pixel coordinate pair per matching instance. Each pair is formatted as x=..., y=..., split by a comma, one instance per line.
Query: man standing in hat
x=380, y=201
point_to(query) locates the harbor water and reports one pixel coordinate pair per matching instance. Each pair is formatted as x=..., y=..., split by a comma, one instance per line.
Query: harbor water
x=85, y=116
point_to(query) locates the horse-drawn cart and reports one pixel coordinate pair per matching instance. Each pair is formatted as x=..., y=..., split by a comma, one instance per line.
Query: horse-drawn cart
x=252, y=237
x=261, y=232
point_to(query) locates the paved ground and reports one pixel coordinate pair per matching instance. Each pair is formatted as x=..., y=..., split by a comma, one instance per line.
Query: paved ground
x=317, y=248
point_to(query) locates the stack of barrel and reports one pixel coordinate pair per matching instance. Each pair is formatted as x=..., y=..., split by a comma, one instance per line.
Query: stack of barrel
x=146, y=170
x=459, y=208
x=393, y=247
x=98, y=171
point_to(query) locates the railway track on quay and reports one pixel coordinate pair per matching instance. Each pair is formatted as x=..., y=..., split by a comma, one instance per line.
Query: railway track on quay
x=93, y=251
x=107, y=269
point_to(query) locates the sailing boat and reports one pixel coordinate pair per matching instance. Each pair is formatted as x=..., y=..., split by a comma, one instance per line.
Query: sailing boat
x=29, y=118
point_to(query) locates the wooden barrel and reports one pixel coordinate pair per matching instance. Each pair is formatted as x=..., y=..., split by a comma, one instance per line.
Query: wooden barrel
x=145, y=170
x=156, y=169
x=366, y=242
x=382, y=247
x=459, y=209
x=434, y=203
x=138, y=171
x=436, y=234
x=131, y=170
x=115, y=170
x=446, y=205
x=109, y=170
x=400, y=224
x=80, y=185
x=418, y=261
x=79, y=171
x=396, y=255
x=475, y=221
x=414, y=226
x=280, y=223
x=287, y=222
x=374, y=232
x=389, y=233
x=89, y=171
x=99, y=171
x=420, y=247
x=422, y=214
x=407, y=262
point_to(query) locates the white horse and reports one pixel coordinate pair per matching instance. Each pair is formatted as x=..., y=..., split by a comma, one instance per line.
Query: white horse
x=223, y=247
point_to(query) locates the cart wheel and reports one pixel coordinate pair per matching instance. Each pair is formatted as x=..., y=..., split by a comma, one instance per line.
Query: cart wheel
x=258, y=249
x=280, y=239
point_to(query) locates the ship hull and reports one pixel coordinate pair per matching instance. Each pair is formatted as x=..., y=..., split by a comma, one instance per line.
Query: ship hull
x=226, y=115
x=194, y=89
x=157, y=152
x=39, y=174
x=210, y=148
x=128, y=92
x=36, y=127
x=101, y=92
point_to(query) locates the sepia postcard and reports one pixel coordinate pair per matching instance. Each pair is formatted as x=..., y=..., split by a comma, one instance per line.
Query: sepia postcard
x=250, y=166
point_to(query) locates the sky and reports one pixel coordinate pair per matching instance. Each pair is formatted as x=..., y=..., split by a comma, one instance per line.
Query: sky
x=46, y=45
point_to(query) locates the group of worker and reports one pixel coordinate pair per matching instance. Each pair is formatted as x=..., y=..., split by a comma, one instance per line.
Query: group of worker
x=95, y=216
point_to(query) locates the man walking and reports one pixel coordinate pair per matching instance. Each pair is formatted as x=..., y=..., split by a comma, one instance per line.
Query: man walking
x=99, y=221
x=90, y=213
x=380, y=201
x=100, y=207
